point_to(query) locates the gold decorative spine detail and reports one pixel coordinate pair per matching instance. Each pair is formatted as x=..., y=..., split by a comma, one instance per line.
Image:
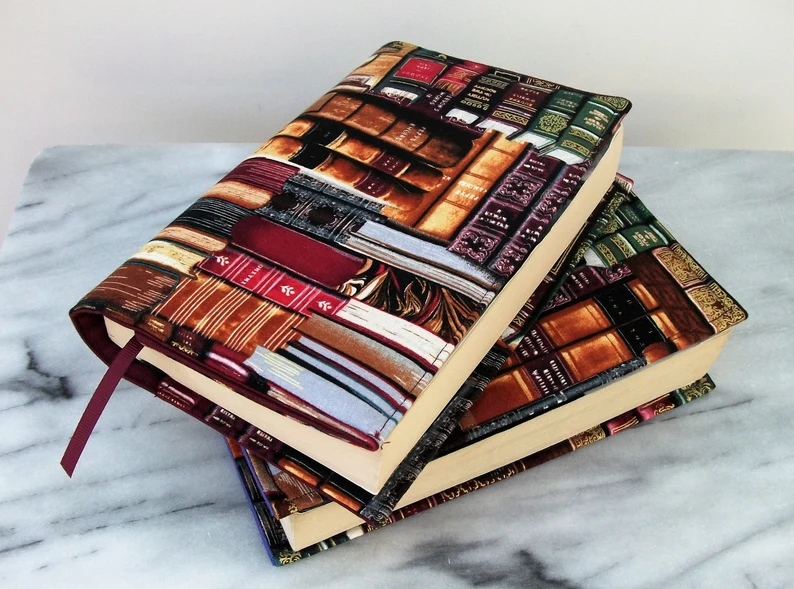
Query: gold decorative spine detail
x=662, y=406
x=612, y=226
x=623, y=245
x=511, y=117
x=473, y=485
x=616, y=102
x=587, y=437
x=552, y=123
x=697, y=389
x=717, y=306
x=188, y=351
x=582, y=134
x=538, y=83
x=607, y=254
x=626, y=425
x=577, y=147
x=287, y=557
x=680, y=265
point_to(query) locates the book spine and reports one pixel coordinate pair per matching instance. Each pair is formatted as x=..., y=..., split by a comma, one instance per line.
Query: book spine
x=319, y=210
x=194, y=239
x=514, y=112
x=239, y=193
x=296, y=378
x=449, y=212
x=437, y=100
x=592, y=123
x=543, y=405
x=484, y=94
x=693, y=391
x=503, y=207
x=380, y=186
x=130, y=292
x=458, y=77
x=337, y=138
x=545, y=128
x=424, y=259
x=270, y=282
x=367, y=76
x=410, y=376
x=683, y=322
x=285, y=493
x=611, y=307
x=261, y=173
x=413, y=76
x=539, y=220
x=584, y=281
x=568, y=263
x=271, y=532
x=378, y=510
x=626, y=243
x=565, y=348
x=571, y=125
x=212, y=216
x=479, y=97
x=180, y=311
x=560, y=106
x=435, y=147
x=720, y=310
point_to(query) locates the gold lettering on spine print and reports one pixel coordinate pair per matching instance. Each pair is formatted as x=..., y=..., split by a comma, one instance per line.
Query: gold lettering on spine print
x=588, y=437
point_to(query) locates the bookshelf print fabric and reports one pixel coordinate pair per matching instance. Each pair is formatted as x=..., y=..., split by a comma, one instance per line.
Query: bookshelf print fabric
x=331, y=274
x=628, y=294
x=273, y=494
x=637, y=297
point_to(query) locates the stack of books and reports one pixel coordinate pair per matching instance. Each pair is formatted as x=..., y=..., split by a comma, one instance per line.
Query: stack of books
x=432, y=280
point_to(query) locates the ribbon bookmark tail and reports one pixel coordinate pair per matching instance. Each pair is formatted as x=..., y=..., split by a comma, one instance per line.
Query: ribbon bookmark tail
x=97, y=403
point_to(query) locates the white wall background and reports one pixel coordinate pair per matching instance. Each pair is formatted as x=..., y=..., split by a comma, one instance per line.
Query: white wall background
x=700, y=73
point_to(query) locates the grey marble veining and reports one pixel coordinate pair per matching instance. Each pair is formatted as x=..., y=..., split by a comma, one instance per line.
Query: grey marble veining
x=702, y=497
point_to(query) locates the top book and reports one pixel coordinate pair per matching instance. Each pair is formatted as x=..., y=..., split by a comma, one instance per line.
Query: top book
x=338, y=286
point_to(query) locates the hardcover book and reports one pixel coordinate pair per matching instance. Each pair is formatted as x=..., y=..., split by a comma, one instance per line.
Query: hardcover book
x=636, y=317
x=336, y=288
x=275, y=495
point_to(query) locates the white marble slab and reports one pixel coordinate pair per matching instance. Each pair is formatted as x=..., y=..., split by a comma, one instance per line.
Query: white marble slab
x=703, y=497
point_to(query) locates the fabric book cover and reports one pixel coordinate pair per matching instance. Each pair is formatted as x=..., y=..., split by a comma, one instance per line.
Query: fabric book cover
x=336, y=288
x=379, y=506
x=635, y=299
x=274, y=494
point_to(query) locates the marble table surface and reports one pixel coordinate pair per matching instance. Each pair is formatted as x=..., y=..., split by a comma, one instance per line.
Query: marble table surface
x=702, y=497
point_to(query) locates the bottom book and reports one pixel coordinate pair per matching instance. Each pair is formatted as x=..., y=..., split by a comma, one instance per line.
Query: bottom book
x=274, y=494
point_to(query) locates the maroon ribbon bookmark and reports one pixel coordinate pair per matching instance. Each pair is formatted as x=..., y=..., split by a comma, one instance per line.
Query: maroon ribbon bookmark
x=96, y=404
